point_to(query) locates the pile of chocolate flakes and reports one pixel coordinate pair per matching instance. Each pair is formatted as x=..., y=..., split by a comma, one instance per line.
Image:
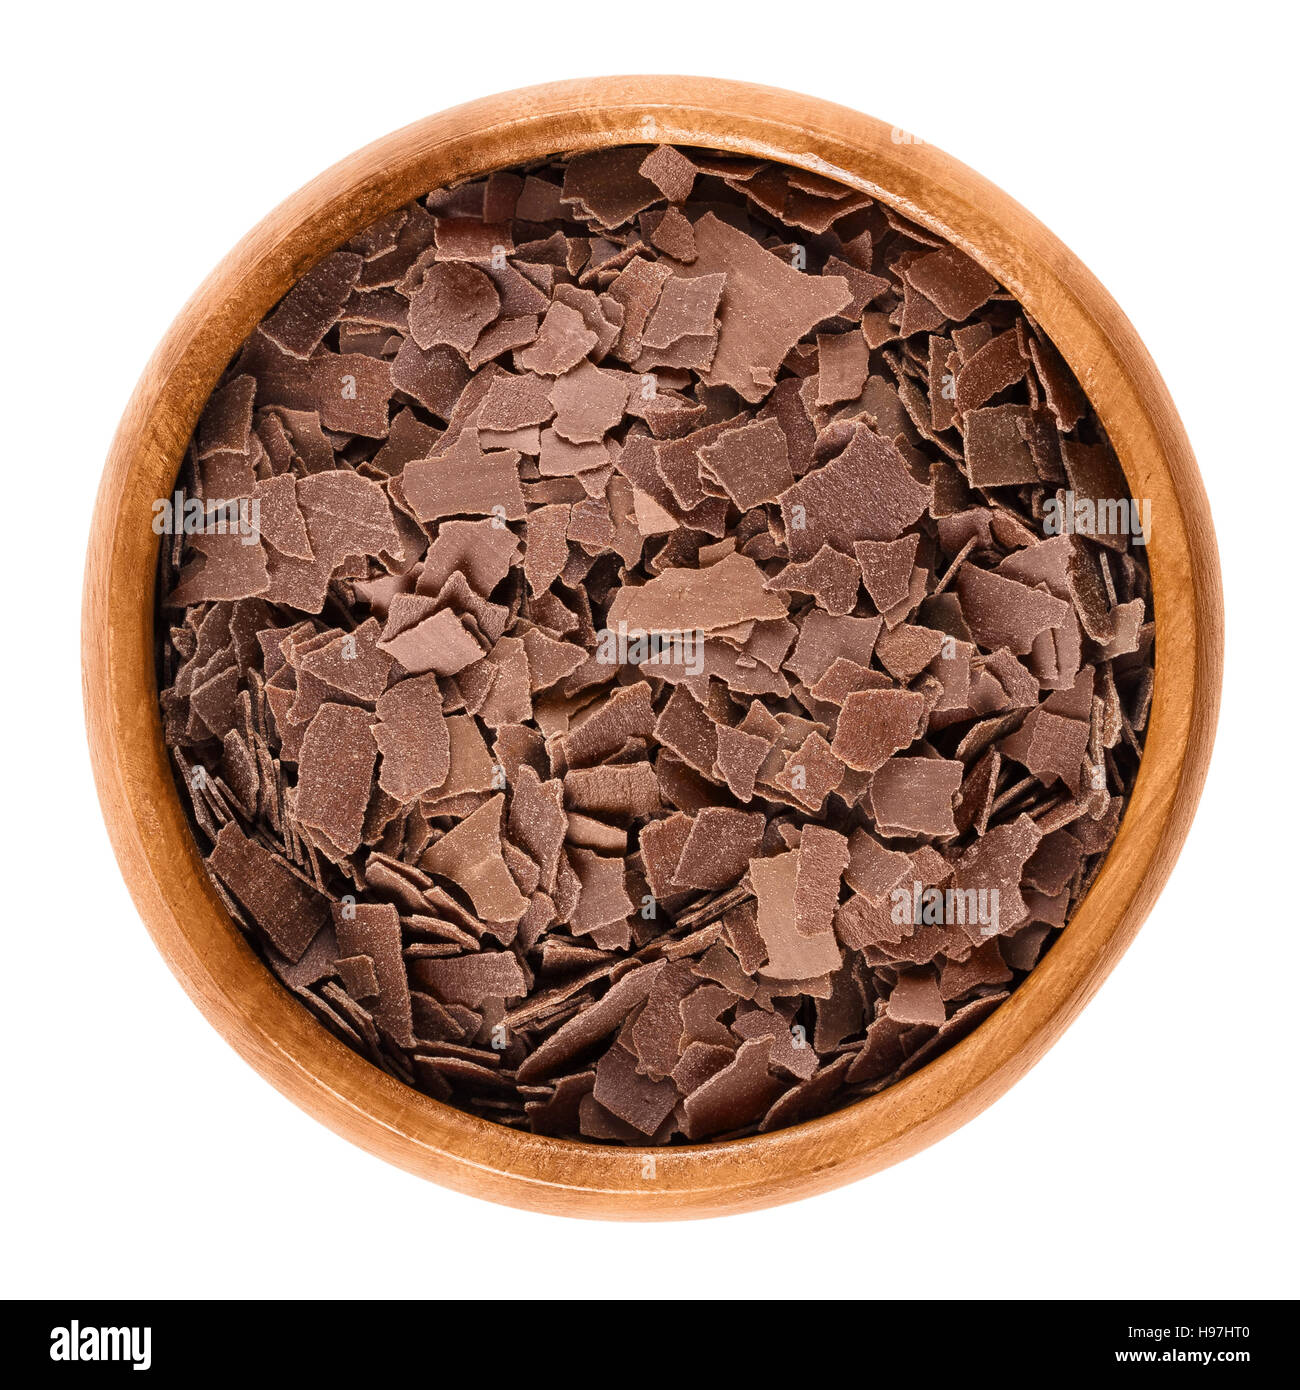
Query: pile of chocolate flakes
x=647, y=705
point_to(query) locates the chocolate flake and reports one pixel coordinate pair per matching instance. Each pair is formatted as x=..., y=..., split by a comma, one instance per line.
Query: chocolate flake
x=472, y=980
x=304, y=316
x=914, y=796
x=470, y=857
x=865, y=493
x=951, y=281
x=286, y=907
x=335, y=768
x=681, y=600
x=454, y=304
x=734, y=1096
x=791, y=954
x=874, y=725
x=374, y=930
x=671, y=172
x=768, y=307
x=751, y=462
x=440, y=643
x=412, y=737
x=719, y=847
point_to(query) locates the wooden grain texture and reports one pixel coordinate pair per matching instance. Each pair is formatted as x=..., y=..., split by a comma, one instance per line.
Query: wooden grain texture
x=144, y=815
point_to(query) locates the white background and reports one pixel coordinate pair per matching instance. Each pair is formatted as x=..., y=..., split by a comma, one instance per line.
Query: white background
x=1152, y=1153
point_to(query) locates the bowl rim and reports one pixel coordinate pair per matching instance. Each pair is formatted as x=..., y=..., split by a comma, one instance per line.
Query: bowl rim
x=143, y=812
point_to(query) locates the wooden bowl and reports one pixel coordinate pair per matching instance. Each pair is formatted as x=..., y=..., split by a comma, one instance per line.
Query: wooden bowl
x=148, y=826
